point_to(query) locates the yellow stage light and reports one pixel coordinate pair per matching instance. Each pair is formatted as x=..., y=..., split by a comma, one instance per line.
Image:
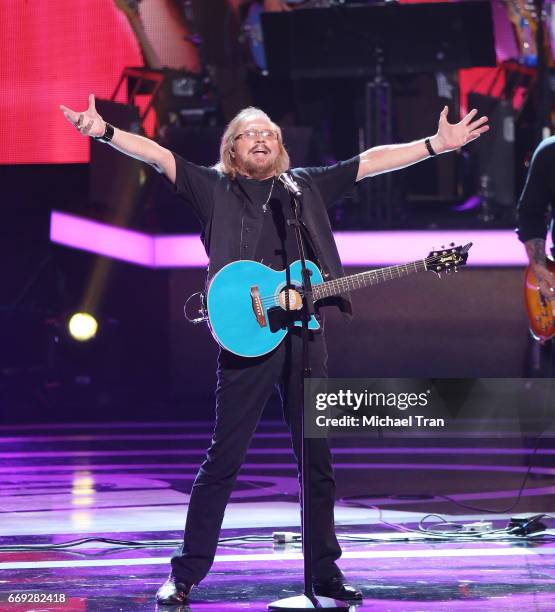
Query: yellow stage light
x=82, y=326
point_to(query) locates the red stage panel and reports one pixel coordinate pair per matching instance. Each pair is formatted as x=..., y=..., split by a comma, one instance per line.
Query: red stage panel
x=56, y=52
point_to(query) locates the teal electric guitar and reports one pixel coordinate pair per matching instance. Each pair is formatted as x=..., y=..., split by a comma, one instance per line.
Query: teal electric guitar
x=250, y=307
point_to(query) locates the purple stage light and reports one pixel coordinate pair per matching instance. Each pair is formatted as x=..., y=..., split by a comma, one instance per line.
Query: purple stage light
x=179, y=252
x=102, y=239
x=471, y=203
x=490, y=247
x=368, y=249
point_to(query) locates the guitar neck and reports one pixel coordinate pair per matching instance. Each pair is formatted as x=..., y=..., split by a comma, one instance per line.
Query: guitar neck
x=346, y=284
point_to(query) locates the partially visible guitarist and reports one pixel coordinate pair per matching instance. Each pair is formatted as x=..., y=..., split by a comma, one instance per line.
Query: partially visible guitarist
x=243, y=210
x=535, y=219
x=535, y=213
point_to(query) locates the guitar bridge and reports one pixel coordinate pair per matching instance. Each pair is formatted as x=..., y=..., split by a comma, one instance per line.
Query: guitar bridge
x=258, y=307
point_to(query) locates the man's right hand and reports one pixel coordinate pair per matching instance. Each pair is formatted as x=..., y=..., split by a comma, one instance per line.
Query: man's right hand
x=89, y=122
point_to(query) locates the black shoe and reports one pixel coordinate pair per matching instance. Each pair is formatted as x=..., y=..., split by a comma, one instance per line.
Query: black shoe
x=173, y=592
x=337, y=587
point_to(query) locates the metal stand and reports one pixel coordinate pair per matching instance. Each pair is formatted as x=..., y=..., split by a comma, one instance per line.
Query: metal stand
x=377, y=131
x=543, y=129
x=307, y=601
x=486, y=194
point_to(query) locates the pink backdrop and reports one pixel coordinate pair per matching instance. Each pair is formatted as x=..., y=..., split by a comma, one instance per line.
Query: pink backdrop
x=56, y=51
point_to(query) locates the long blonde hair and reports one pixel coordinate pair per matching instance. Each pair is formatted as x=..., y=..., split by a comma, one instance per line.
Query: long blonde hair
x=227, y=163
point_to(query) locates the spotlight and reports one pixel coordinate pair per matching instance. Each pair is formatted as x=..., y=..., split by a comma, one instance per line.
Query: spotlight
x=83, y=354
x=82, y=326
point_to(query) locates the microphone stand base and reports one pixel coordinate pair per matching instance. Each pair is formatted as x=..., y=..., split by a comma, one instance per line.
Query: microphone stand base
x=302, y=602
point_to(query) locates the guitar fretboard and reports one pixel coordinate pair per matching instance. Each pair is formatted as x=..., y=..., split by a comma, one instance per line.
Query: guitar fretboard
x=346, y=284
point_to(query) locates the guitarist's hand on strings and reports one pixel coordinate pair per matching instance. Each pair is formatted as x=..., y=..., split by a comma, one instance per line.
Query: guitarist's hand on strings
x=535, y=249
x=546, y=281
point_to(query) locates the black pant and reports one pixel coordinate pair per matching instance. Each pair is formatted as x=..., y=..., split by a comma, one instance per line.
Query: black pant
x=244, y=387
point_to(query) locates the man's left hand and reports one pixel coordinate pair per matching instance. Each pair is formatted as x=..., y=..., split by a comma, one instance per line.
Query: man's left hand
x=452, y=136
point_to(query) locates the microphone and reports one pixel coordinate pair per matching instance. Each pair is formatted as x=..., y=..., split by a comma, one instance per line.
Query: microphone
x=287, y=181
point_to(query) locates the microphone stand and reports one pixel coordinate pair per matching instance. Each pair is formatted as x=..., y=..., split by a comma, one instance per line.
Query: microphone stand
x=307, y=601
x=543, y=123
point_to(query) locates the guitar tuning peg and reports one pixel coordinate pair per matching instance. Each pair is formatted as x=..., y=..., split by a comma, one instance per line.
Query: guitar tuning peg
x=451, y=244
x=443, y=246
x=456, y=269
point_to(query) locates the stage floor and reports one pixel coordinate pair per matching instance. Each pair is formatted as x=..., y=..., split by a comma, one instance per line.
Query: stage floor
x=130, y=481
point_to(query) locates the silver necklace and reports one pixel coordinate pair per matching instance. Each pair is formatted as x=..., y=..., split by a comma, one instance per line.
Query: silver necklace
x=265, y=205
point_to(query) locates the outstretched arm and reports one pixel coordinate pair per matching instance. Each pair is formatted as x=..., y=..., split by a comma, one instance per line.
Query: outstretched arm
x=90, y=123
x=449, y=136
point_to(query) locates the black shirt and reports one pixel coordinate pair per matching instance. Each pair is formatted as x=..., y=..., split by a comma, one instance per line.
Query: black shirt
x=277, y=244
x=275, y=240
x=538, y=194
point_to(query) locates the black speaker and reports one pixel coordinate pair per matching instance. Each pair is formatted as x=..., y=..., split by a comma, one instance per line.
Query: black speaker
x=495, y=151
x=424, y=96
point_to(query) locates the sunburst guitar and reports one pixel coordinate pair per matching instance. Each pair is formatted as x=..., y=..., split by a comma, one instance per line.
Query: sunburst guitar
x=251, y=307
x=541, y=311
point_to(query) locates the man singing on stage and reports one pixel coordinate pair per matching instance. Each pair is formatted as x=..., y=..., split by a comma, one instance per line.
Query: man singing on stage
x=243, y=209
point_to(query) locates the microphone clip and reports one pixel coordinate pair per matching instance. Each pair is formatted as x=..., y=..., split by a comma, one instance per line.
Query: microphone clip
x=290, y=184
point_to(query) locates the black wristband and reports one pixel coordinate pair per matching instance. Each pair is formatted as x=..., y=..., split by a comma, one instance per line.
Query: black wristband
x=429, y=147
x=108, y=134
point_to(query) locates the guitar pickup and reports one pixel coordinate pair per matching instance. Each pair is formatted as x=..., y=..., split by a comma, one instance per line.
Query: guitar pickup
x=258, y=307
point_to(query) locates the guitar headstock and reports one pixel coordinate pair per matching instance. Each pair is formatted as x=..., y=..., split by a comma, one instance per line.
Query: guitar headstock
x=447, y=259
x=129, y=7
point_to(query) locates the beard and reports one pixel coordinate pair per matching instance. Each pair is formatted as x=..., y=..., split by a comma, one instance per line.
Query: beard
x=259, y=169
